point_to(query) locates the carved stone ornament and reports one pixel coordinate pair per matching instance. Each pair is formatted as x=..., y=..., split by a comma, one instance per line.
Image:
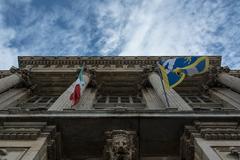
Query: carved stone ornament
x=24, y=131
x=217, y=131
x=24, y=74
x=120, y=145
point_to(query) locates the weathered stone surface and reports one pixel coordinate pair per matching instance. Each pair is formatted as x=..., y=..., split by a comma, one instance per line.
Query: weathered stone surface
x=17, y=132
x=98, y=60
x=9, y=82
x=230, y=81
x=152, y=99
x=83, y=130
x=209, y=131
x=229, y=98
x=11, y=98
x=4, y=73
x=120, y=145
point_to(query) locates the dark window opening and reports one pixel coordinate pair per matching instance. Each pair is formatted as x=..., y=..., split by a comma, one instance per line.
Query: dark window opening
x=204, y=103
x=205, y=99
x=102, y=100
x=33, y=99
x=119, y=99
x=194, y=99
x=37, y=103
x=197, y=99
x=136, y=100
x=113, y=99
x=125, y=100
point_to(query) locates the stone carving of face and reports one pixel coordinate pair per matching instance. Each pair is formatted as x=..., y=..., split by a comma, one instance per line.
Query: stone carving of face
x=120, y=144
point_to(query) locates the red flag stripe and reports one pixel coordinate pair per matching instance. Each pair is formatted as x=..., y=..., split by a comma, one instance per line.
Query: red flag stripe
x=75, y=96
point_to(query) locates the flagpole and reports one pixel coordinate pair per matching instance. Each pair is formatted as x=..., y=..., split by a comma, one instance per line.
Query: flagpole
x=164, y=89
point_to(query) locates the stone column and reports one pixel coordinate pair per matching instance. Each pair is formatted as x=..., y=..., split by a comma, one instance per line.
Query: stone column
x=230, y=81
x=228, y=97
x=9, y=81
x=175, y=100
x=63, y=102
x=11, y=97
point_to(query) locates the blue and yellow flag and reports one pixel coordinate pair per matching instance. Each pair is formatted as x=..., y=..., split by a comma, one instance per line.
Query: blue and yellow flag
x=176, y=69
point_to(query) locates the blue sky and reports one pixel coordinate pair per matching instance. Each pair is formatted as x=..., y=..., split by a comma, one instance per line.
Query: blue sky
x=120, y=27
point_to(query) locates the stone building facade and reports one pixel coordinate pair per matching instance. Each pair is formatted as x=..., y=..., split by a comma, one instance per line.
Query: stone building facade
x=122, y=113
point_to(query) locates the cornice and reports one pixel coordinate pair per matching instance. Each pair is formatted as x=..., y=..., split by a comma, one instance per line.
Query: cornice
x=106, y=61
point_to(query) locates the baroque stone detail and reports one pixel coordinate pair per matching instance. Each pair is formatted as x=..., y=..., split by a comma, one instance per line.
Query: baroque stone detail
x=120, y=145
x=31, y=131
x=4, y=73
x=212, y=76
x=98, y=61
x=23, y=74
x=234, y=152
x=207, y=131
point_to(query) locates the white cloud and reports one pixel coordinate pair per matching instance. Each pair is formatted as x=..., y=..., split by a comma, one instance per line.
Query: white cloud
x=160, y=30
x=175, y=27
x=44, y=37
x=8, y=55
x=139, y=28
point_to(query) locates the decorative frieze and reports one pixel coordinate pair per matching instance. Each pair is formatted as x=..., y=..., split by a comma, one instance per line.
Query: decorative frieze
x=96, y=61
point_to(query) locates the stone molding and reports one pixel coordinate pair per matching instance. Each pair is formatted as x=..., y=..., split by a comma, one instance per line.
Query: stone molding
x=217, y=131
x=4, y=73
x=107, y=61
x=32, y=131
x=24, y=74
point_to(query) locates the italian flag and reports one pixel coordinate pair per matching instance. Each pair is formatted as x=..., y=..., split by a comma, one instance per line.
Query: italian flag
x=77, y=88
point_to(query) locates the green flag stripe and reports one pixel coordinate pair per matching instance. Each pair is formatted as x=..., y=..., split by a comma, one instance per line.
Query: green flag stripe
x=80, y=76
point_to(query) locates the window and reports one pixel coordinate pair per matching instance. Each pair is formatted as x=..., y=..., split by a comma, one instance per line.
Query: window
x=197, y=99
x=41, y=99
x=113, y=99
x=33, y=99
x=38, y=103
x=203, y=103
x=125, y=100
x=194, y=99
x=119, y=99
x=205, y=99
x=136, y=100
x=103, y=102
